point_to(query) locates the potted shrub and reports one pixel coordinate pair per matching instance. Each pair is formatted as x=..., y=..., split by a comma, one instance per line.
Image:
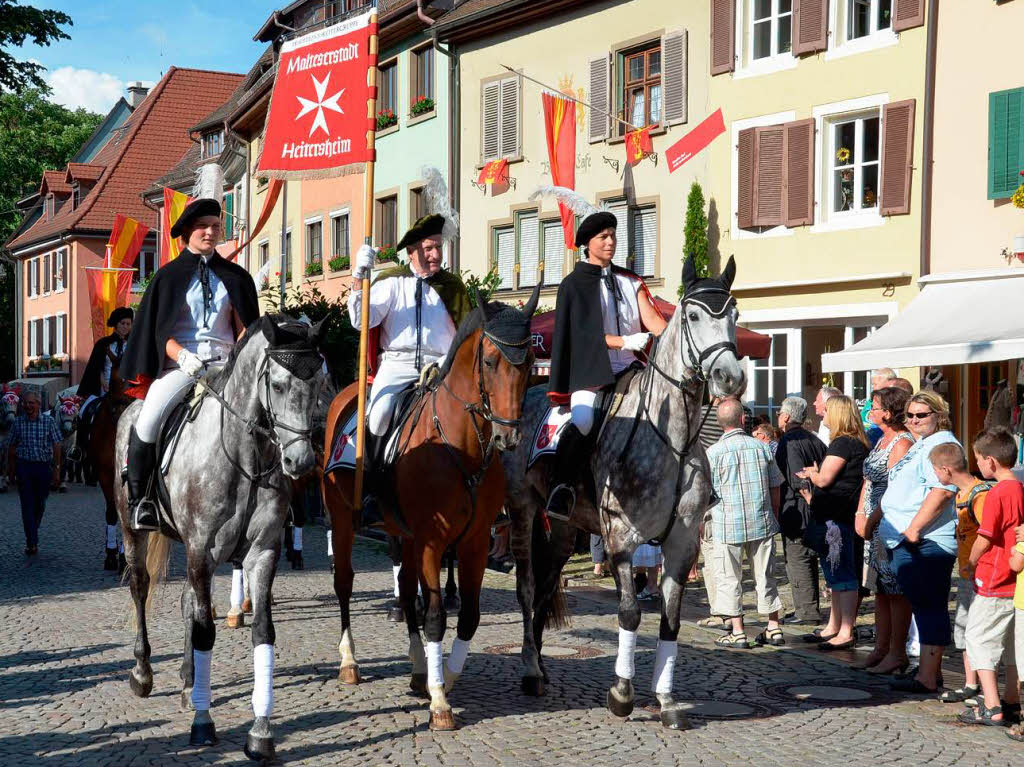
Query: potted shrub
x=385, y=119
x=339, y=263
x=421, y=105
x=314, y=268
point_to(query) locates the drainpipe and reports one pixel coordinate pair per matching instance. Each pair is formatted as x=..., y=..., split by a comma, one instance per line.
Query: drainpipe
x=927, y=144
x=454, y=153
x=422, y=16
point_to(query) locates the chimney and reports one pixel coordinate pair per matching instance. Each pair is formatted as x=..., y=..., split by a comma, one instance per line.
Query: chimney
x=136, y=93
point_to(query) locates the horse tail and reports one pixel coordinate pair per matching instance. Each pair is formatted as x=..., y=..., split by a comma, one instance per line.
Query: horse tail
x=158, y=551
x=547, y=579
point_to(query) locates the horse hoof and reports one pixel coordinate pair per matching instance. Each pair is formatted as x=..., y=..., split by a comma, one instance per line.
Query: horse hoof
x=621, y=698
x=396, y=614
x=247, y=606
x=186, y=700
x=349, y=675
x=235, y=620
x=141, y=687
x=533, y=686
x=452, y=603
x=418, y=685
x=442, y=720
x=259, y=749
x=675, y=719
x=203, y=734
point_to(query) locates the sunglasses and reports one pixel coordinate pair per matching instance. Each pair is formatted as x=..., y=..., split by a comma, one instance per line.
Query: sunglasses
x=921, y=416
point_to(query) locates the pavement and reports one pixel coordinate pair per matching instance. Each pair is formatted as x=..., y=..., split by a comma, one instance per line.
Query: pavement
x=66, y=650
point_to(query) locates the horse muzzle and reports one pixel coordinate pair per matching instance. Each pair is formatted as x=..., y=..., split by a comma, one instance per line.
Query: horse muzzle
x=727, y=377
x=298, y=459
x=506, y=437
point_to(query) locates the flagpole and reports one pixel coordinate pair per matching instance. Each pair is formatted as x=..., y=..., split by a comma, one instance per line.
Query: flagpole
x=364, y=304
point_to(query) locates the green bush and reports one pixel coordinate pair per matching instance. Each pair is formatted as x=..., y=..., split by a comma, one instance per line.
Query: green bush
x=485, y=285
x=695, y=232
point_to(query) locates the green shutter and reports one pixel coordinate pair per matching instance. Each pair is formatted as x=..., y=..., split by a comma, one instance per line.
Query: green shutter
x=1005, y=142
x=229, y=217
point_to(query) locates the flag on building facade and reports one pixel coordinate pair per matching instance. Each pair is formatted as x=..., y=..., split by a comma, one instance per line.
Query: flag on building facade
x=494, y=172
x=318, y=121
x=694, y=141
x=108, y=289
x=638, y=145
x=125, y=241
x=560, y=129
x=269, y=201
x=174, y=204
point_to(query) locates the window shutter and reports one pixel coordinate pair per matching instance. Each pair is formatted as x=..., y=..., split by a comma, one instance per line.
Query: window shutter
x=554, y=252
x=645, y=240
x=768, y=156
x=673, y=77
x=529, y=250
x=600, y=97
x=509, y=118
x=745, y=179
x=897, y=157
x=490, y=135
x=1005, y=142
x=799, y=172
x=907, y=14
x=620, y=209
x=506, y=257
x=39, y=337
x=723, y=36
x=810, y=26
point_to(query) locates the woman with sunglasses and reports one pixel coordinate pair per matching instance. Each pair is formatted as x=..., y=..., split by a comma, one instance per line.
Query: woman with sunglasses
x=918, y=529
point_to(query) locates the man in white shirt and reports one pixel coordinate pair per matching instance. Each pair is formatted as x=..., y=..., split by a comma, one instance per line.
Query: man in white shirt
x=824, y=394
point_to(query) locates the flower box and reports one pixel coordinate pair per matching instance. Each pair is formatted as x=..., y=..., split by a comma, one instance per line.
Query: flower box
x=314, y=268
x=422, y=105
x=339, y=263
x=388, y=253
x=386, y=119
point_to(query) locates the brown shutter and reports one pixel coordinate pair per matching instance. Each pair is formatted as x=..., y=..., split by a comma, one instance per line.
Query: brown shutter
x=768, y=155
x=907, y=14
x=810, y=26
x=673, y=77
x=799, y=172
x=745, y=179
x=897, y=157
x=723, y=36
x=600, y=97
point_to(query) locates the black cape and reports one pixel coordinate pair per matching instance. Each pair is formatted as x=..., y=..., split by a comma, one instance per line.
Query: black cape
x=161, y=307
x=579, y=356
x=91, y=385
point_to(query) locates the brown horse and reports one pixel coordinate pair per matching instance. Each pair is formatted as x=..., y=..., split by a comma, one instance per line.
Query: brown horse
x=447, y=489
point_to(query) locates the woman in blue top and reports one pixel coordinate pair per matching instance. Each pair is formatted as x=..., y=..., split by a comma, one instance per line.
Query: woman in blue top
x=918, y=529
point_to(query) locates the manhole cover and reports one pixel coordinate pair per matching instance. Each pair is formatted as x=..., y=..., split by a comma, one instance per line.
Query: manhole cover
x=548, y=651
x=838, y=693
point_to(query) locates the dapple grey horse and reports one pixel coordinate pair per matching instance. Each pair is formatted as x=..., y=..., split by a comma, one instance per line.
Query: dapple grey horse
x=10, y=401
x=229, y=486
x=651, y=481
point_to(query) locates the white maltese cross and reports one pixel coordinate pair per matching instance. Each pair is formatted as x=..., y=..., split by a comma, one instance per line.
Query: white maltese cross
x=320, y=121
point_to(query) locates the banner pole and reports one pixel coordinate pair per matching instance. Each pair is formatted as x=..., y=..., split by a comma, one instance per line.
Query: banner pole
x=364, y=304
x=285, y=255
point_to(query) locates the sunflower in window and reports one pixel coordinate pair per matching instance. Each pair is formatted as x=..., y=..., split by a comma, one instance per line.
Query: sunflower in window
x=843, y=155
x=1017, y=198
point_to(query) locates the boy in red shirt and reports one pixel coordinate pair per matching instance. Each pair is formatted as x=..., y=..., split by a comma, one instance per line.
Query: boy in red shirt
x=990, y=623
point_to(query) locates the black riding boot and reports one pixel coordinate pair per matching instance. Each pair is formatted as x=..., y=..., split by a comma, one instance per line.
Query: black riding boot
x=569, y=458
x=141, y=463
x=370, y=515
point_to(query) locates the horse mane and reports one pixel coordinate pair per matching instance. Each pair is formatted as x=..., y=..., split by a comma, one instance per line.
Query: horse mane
x=469, y=325
x=219, y=380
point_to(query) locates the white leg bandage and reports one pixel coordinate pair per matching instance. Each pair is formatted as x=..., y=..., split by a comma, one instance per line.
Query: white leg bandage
x=435, y=676
x=263, y=679
x=297, y=538
x=664, y=667
x=111, y=536
x=627, y=648
x=201, y=680
x=457, y=657
x=330, y=544
x=237, y=588
x=347, y=649
x=395, y=570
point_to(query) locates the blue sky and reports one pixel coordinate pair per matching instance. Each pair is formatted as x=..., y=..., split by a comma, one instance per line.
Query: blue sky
x=116, y=42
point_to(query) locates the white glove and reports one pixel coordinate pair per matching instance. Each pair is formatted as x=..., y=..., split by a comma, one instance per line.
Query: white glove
x=635, y=342
x=189, y=364
x=365, y=257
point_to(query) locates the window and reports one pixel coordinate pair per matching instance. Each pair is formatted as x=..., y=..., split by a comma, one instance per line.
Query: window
x=771, y=28
x=387, y=221
x=553, y=247
x=771, y=377
x=213, y=143
x=636, y=239
x=504, y=245
x=76, y=195
x=387, y=93
x=527, y=249
x=519, y=249
x=422, y=74
x=264, y=254
x=60, y=267
x=866, y=17
x=314, y=242
x=50, y=335
x=500, y=116
x=62, y=334
x=1005, y=142
x=641, y=84
x=339, y=236
x=229, y=215
x=145, y=267
x=32, y=277
x=853, y=176
x=47, y=274
x=417, y=205
x=50, y=206
x=35, y=337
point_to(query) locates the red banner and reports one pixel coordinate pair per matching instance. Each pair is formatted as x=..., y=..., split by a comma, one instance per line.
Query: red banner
x=125, y=241
x=108, y=289
x=694, y=141
x=319, y=119
x=560, y=128
x=638, y=145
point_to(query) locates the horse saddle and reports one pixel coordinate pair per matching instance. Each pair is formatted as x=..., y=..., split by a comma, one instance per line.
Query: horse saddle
x=343, y=451
x=88, y=413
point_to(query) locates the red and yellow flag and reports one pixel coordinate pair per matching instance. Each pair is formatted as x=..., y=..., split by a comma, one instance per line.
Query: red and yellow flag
x=494, y=172
x=638, y=145
x=560, y=127
x=108, y=289
x=174, y=204
x=125, y=241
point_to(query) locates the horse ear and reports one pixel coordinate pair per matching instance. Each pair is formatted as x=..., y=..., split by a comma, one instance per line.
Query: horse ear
x=270, y=330
x=318, y=332
x=729, y=273
x=479, y=300
x=531, y=305
x=689, y=273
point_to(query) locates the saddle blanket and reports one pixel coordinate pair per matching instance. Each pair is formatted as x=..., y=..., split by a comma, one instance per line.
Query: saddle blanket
x=343, y=452
x=545, y=440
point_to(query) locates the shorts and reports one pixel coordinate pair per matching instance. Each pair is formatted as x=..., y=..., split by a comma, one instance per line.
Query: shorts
x=965, y=594
x=990, y=633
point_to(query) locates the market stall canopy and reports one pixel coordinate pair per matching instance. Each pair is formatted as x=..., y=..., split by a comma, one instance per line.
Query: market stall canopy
x=750, y=344
x=958, y=318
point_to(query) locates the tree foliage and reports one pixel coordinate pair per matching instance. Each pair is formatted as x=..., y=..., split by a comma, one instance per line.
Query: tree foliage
x=695, y=232
x=19, y=23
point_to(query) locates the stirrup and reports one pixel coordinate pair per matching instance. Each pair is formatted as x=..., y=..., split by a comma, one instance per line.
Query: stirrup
x=144, y=516
x=559, y=511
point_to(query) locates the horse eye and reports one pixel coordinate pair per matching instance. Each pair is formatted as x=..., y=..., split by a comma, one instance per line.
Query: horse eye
x=278, y=389
x=693, y=317
x=488, y=362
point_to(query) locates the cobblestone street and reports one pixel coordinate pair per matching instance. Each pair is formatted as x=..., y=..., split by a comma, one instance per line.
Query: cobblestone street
x=66, y=653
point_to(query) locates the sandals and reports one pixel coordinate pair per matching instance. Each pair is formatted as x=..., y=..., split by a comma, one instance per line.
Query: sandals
x=773, y=637
x=960, y=694
x=714, y=622
x=982, y=715
x=1016, y=733
x=733, y=640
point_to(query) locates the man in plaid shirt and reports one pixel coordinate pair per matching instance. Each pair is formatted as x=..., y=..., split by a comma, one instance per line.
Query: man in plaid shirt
x=746, y=479
x=34, y=453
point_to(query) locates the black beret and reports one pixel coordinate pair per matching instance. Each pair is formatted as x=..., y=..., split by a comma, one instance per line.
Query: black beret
x=204, y=206
x=594, y=224
x=120, y=313
x=428, y=226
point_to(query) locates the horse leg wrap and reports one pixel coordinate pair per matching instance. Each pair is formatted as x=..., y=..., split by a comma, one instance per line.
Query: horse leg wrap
x=627, y=649
x=457, y=657
x=297, y=539
x=263, y=680
x=237, y=589
x=330, y=544
x=664, y=667
x=201, y=679
x=435, y=675
x=111, y=536
x=395, y=570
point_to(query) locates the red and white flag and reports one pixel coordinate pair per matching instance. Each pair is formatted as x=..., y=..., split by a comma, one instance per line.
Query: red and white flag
x=319, y=119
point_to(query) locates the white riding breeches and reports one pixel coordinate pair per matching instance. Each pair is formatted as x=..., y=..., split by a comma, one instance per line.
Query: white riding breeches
x=393, y=376
x=581, y=405
x=163, y=396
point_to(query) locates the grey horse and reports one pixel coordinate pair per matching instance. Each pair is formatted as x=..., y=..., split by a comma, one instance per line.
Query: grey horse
x=228, y=488
x=651, y=480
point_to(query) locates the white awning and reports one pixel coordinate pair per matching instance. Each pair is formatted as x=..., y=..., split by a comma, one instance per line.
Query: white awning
x=958, y=318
